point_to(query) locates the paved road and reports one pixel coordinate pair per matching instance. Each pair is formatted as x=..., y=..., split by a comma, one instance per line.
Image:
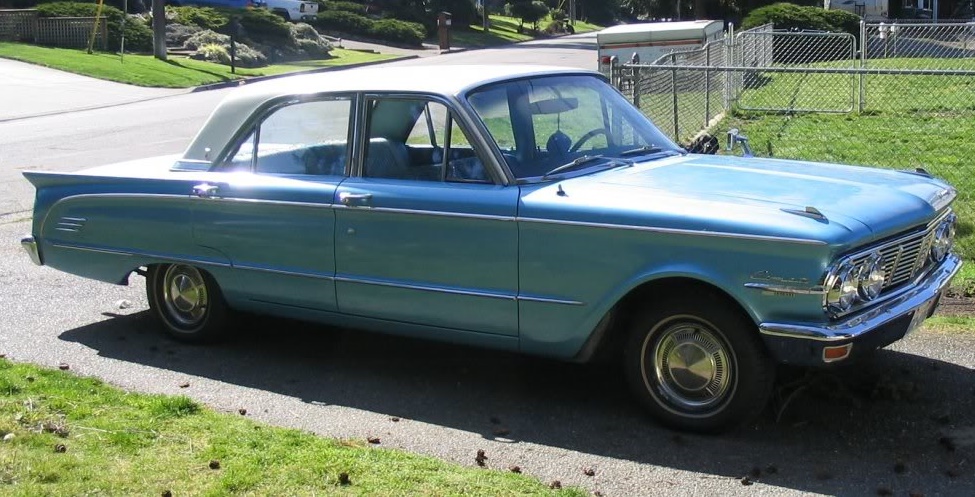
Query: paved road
x=29, y=90
x=839, y=434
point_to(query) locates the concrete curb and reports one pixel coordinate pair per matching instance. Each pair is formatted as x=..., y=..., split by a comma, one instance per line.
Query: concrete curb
x=245, y=81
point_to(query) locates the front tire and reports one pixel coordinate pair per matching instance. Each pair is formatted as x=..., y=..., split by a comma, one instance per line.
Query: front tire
x=187, y=302
x=698, y=365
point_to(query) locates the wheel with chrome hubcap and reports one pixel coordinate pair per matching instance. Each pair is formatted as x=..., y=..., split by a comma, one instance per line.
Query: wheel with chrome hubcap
x=187, y=301
x=699, y=367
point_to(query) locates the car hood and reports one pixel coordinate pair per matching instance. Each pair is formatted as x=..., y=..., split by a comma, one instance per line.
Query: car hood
x=758, y=196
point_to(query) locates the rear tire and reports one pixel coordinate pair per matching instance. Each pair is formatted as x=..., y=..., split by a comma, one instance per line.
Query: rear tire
x=188, y=303
x=698, y=365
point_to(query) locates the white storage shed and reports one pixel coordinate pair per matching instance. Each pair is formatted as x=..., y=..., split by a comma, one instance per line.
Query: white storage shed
x=654, y=39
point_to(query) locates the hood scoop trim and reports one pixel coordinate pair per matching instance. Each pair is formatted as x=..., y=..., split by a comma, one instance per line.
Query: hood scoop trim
x=810, y=212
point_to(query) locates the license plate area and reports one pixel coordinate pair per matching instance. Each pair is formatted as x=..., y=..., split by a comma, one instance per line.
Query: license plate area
x=921, y=313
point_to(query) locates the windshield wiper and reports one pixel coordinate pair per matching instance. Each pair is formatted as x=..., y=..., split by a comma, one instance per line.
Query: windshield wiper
x=644, y=150
x=579, y=161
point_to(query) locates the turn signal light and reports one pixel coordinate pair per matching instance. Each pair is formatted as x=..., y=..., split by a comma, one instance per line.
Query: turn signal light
x=838, y=353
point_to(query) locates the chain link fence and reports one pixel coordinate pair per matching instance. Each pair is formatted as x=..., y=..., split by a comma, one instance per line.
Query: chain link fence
x=682, y=103
x=898, y=95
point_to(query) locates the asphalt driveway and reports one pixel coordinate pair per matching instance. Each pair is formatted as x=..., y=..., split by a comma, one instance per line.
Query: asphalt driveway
x=904, y=421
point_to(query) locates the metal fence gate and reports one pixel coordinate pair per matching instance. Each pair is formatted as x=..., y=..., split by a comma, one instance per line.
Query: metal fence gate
x=787, y=77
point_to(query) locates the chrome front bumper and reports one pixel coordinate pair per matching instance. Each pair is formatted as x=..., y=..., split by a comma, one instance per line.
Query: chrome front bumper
x=30, y=246
x=849, y=330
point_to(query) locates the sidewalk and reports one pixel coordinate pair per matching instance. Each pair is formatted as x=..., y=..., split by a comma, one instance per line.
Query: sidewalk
x=28, y=90
x=426, y=51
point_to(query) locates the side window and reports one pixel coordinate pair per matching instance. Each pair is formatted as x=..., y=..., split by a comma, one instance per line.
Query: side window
x=303, y=138
x=492, y=106
x=415, y=139
x=462, y=163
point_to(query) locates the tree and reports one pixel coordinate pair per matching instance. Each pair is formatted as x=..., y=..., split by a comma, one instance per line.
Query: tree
x=530, y=12
x=159, y=29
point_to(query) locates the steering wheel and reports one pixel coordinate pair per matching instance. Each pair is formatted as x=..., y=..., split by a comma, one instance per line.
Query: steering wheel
x=586, y=137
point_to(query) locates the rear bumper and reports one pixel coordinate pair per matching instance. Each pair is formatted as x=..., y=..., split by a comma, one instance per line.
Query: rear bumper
x=30, y=246
x=876, y=327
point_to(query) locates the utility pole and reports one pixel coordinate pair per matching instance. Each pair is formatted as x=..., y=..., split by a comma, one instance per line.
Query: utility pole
x=159, y=29
x=485, y=22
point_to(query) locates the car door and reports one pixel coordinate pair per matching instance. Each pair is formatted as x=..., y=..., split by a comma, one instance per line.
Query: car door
x=268, y=207
x=424, y=234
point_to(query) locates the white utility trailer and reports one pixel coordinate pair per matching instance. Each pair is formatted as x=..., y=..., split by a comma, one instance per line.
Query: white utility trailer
x=654, y=39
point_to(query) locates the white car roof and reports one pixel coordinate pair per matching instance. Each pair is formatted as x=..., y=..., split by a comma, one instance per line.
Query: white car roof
x=445, y=80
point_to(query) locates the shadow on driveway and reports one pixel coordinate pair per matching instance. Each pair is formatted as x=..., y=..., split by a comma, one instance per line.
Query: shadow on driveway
x=898, y=421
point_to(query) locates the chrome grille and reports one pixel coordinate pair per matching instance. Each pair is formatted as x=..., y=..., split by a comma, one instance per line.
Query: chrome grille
x=904, y=257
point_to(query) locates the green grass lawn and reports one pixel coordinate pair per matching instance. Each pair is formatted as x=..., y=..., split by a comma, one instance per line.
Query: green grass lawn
x=950, y=324
x=177, y=72
x=504, y=30
x=68, y=436
x=585, y=27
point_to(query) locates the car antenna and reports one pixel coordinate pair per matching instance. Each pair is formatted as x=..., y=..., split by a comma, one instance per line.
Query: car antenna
x=561, y=192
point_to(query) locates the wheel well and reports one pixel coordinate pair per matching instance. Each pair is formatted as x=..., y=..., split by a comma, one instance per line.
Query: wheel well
x=607, y=340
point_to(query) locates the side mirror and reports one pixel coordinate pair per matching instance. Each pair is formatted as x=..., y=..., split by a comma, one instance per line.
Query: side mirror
x=735, y=137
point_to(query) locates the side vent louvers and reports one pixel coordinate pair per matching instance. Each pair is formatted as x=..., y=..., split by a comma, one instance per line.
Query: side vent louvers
x=71, y=224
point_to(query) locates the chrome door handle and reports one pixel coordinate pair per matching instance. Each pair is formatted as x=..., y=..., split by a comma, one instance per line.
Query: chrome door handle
x=355, y=199
x=205, y=190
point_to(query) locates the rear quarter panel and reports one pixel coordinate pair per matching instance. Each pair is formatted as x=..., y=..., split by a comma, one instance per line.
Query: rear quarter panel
x=103, y=227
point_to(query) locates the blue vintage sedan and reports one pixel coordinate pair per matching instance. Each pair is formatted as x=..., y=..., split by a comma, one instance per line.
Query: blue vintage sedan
x=522, y=208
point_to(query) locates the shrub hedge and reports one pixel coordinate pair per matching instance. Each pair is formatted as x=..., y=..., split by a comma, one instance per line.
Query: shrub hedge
x=138, y=36
x=794, y=17
x=407, y=33
x=355, y=8
x=201, y=17
x=135, y=6
x=392, y=30
x=263, y=25
x=791, y=16
x=346, y=22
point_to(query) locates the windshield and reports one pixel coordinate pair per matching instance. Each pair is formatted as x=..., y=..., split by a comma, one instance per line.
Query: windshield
x=543, y=125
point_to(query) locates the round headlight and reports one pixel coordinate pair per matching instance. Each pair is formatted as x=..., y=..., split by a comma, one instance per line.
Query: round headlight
x=843, y=289
x=943, y=239
x=872, y=276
